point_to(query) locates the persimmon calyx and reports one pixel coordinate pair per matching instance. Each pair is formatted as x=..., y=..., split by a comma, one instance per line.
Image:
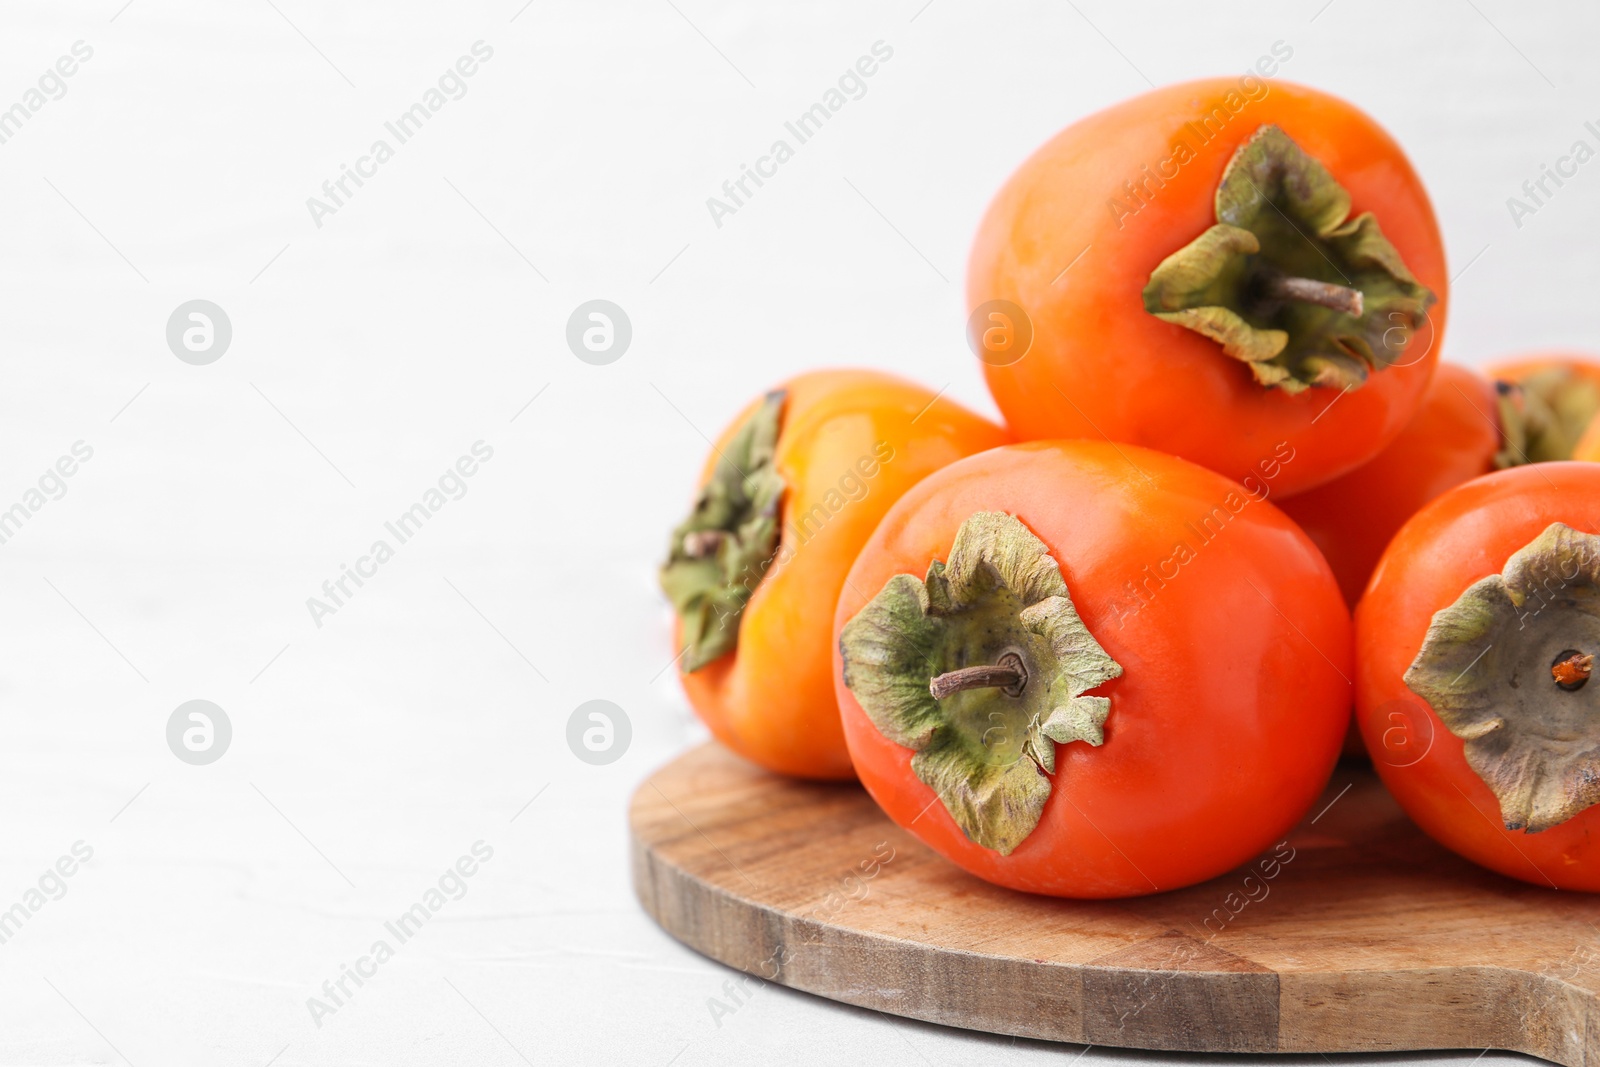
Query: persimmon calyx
x=720, y=553
x=1543, y=417
x=1285, y=281
x=1505, y=668
x=987, y=745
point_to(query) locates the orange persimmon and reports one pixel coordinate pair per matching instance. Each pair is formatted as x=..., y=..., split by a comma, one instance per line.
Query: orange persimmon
x=1475, y=643
x=1531, y=412
x=1091, y=670
x=789, y=494
x=1564, y=388
x=1454, y=438
x=1212, y=269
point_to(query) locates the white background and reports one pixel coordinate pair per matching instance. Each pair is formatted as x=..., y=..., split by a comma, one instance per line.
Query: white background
x=371, y=352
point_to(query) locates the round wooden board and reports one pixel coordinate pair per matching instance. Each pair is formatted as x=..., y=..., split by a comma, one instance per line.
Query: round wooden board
x=1370, y=938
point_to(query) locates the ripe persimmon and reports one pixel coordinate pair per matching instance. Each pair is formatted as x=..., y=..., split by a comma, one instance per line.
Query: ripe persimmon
x=1209, y=269
x=787, y=497
x=1454, y=437
x=1563, y=388
x=1476, y=640
x=1467, y=426
x=1006, y=702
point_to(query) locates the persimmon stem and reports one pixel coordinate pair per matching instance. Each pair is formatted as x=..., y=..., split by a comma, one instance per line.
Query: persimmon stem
x=1572, y=670
x=1007, y=673
x=1309, y=290
x=699, y=544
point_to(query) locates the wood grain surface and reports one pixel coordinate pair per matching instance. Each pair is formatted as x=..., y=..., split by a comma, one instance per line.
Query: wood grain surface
x=1357, y=935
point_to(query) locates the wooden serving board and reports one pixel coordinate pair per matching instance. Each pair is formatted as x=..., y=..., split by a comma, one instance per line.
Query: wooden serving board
x=1370, y=938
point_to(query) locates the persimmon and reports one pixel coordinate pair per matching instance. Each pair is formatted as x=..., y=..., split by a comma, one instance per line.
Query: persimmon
x=1467, y=426
x=1475, y=645
x=1565, y=389
x=1209, y=269
x=787, y=497
x=1454, y=437
x=1091, y=670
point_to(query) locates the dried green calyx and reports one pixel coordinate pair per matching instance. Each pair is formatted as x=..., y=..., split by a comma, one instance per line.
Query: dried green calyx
x=1285, y=281
x=1506, y=669
x=999, y=603
x=1543, y=416
x=719, y=554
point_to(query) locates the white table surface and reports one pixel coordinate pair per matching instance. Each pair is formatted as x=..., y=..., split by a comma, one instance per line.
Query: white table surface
x=369, y=753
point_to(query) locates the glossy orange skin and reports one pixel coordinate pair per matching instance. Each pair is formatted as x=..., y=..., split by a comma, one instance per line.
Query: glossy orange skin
x=1463, y=536
x=1100, y=366
x=1452, y=439
x=771, y=698
x=1220, y=735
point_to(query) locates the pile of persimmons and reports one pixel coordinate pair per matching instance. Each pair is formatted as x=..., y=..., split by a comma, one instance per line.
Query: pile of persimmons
x=1108, y=649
